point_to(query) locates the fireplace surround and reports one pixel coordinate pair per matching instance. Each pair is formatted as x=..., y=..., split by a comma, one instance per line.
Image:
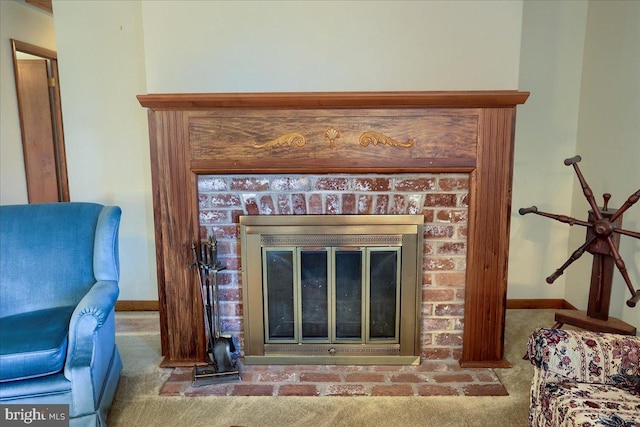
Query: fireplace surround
x=327, y=133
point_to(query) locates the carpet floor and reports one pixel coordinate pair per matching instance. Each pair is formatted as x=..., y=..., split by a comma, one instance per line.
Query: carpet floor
x=138, y=401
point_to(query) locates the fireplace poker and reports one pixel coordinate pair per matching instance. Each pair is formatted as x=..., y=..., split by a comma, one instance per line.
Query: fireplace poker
x=206, y=301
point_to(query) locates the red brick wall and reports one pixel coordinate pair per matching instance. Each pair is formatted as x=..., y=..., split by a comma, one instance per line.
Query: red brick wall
x=441, y=198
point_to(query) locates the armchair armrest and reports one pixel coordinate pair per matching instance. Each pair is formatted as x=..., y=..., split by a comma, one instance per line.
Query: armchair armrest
x=89, y=315
x=586, y=357
x=91, y=343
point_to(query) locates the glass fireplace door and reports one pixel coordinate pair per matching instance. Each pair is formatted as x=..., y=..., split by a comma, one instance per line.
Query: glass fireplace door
x=314, y=295
x=280, y=295
x=383, y=291
x=349, y=295
x=331, y=295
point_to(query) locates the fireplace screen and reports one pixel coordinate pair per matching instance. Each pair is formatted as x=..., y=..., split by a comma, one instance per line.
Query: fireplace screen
x=331, y=289
x=331, y=294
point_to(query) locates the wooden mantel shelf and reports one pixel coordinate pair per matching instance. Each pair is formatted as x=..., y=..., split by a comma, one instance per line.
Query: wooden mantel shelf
x=365, y=100
x=204, y=133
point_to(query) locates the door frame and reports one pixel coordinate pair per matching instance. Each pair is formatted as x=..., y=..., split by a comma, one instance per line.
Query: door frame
x=31, y=157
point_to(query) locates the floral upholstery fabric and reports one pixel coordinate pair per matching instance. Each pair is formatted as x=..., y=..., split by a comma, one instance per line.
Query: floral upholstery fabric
x=584, y=379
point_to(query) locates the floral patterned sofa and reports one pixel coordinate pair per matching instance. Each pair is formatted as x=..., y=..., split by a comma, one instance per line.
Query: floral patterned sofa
x=584, y=379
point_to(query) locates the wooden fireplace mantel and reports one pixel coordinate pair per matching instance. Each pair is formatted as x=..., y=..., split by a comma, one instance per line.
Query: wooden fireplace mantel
x=342, y=132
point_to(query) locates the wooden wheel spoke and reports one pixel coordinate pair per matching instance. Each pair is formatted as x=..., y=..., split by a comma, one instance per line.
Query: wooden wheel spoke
x=562, y=218
x=565, y=219
x=620, y=265
x=626, y=205
x=627, y=233
x=586, y=190
x=574, y=257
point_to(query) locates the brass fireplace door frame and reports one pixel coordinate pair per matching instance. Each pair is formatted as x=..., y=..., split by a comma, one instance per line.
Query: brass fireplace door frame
x=258, y=231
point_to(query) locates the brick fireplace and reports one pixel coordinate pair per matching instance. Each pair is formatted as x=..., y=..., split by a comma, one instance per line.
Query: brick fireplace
x=447, y=155
x=442, y=199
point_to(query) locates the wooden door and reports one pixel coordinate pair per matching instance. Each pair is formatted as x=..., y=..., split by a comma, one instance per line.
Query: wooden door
x=40, y=123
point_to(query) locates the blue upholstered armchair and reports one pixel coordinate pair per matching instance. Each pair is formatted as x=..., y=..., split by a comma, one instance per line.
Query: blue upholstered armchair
x=59, y=276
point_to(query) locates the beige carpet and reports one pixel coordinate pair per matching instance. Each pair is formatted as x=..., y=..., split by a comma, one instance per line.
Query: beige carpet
x=137, y=402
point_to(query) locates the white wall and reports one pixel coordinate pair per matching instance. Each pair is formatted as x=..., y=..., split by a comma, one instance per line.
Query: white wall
x=609, y=141
x=101, y=63
x=546, y=131
x=194, y=46
x=28, y=24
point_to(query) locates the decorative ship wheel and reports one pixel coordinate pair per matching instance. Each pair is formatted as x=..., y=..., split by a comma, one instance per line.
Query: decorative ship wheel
x=602, y=241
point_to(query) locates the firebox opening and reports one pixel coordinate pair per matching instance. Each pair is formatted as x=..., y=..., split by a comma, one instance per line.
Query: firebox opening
x=332, y=289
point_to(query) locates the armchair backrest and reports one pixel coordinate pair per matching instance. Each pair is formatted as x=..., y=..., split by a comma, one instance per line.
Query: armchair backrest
x=585, y=357
x=51, y=254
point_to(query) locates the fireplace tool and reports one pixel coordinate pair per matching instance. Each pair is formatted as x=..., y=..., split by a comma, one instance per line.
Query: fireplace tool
x=222, y=350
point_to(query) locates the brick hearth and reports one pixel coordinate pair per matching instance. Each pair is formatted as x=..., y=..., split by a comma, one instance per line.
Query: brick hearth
x=441, y=198
x=428, y=379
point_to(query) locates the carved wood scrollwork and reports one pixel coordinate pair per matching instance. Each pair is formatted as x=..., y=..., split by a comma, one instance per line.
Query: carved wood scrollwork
x=286, y=139
x=332, y=134
x=377, y=138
